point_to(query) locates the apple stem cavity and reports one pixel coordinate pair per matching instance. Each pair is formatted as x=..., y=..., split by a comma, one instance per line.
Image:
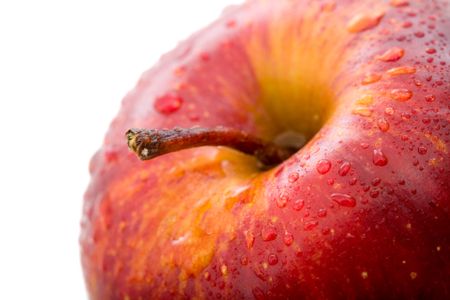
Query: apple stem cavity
x=150, y=143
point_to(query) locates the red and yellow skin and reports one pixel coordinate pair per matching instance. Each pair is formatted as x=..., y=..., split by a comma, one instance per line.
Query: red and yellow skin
x=361, y=211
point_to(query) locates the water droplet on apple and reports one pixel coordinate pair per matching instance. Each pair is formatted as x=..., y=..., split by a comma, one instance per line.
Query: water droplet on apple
x=269, y=233
x=398, y=3
x=362, y=111
x=298, y=204
x=322, y=212
x=328, y=6
x=207, y=276
x=370, y=78
x=422, y=150
x=168, y=104
x=249, y=239
x=352, y=181
x=401, y=94
x=224, y=270
x=426, y=120
x=401, y=71
x=383, y=124
x=412, y=13
x=282, y=200
x=364, y=21
x=259, y=271
x=344, y=168
x=326, y=231
x=288, y=238
x=406, y=116
x=392, y=54
x=293, y=177
x=258, y=294
x=389, y=111
x=430, y=98
x=343, y=199
x=407, y=24
x=374, y=193
x=310, y=225
x=323, y=166
x=272, y=259
x=244, y=260
x=419, y=34
x=365, y=100
x=376, y=181
x=378, y=158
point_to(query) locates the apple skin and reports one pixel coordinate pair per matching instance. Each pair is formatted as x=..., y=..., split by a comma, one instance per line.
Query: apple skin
x=361, y=211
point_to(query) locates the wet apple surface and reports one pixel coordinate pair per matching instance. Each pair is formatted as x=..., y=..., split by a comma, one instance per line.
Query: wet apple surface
x=361, y=211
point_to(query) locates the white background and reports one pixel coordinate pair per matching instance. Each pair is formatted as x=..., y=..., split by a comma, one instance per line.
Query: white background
x=64, y=68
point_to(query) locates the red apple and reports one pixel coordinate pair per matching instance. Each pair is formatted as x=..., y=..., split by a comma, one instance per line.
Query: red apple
x=361, y=211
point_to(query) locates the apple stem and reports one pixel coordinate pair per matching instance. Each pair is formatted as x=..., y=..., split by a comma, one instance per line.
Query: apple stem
x=150, y=143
